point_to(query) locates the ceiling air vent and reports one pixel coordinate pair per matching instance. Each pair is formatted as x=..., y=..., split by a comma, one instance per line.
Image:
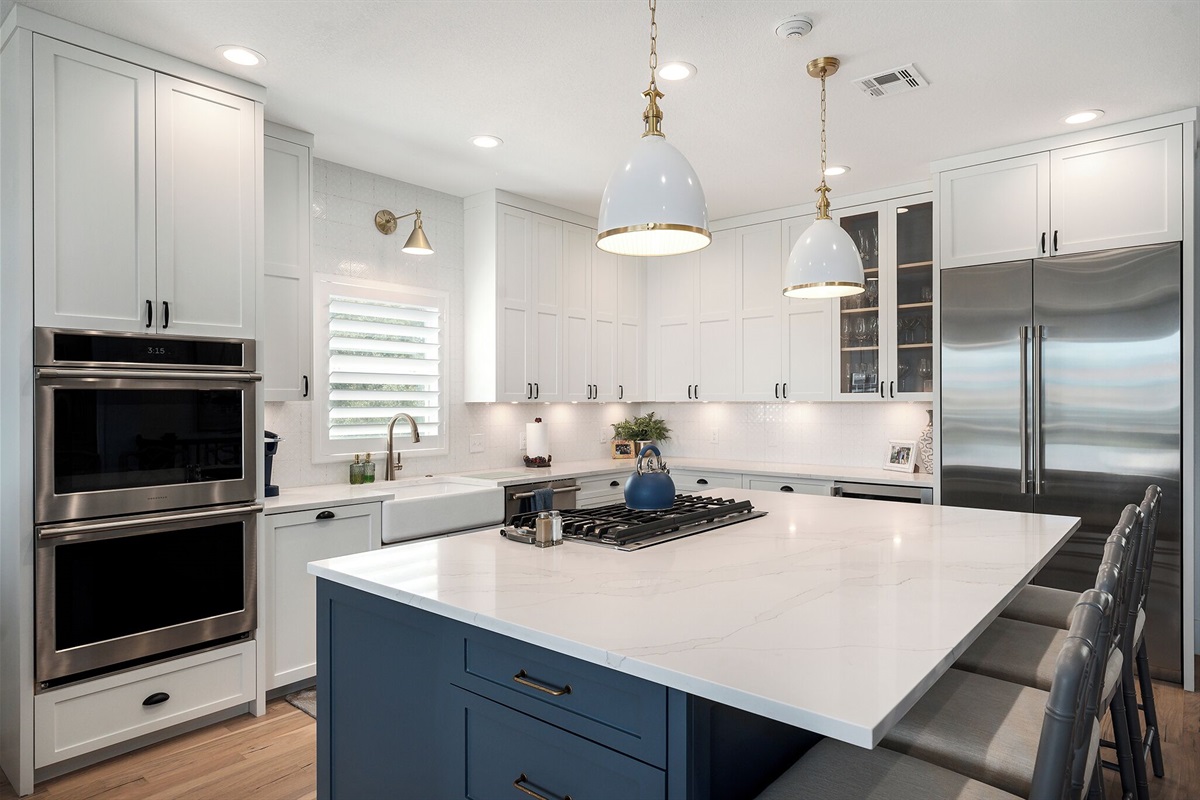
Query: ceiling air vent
x=894, y=81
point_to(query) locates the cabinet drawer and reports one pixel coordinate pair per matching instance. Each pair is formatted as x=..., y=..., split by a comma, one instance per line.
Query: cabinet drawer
x=79, y=719
x=602, y=490
x=687, y=480
x=618, y=710
x=773, y=483
x=505, y=750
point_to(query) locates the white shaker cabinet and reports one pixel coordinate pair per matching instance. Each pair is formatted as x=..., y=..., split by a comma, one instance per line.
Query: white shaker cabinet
x=287, y=594
x=631, y=331
x=807, y=332
x=760, y=298
x=287, y=270
x=589, y=366
x=145, y=199
x=1120, y=191
x=694, y=305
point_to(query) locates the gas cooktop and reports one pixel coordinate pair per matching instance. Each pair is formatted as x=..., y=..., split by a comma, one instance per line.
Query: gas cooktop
x=622, y=528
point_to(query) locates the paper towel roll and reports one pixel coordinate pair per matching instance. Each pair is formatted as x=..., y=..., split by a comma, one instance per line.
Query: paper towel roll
x=537, y=439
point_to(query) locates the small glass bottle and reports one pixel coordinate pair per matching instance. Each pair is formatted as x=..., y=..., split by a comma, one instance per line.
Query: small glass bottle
x=356, y=471
x=368, y=470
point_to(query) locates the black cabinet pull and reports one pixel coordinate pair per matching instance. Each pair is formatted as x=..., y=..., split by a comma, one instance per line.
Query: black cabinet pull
x=702, y=481
x=881, y=385
x=166, y=314
x=325, y=515
x=689, y=391
x=785, y=391
x=305, y=377
x=1055, y=245
x=537, y=391
x=529, y=391
x=620, y=391
x=786, y=489
x=777, y=391
x=697, y=391
x=149, y=313
x=892, y=388
x=156, y=698
x=520, y=782
x=614, y=483
x=1043, y=242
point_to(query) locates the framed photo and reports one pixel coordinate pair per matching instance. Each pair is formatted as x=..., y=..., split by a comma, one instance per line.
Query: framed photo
x=623, y=448
x=900, y=455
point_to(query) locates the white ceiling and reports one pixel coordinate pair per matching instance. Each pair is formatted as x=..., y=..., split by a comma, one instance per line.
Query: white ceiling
x=396, y=88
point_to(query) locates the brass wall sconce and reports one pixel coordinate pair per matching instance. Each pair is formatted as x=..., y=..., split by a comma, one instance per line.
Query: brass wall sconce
x=417, y=244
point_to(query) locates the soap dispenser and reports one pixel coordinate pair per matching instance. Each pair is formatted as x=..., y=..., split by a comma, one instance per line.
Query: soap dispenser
x=356, y=471
x=368, y=470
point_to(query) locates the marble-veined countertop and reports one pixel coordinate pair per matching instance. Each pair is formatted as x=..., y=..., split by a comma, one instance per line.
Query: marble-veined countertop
x=829, y=613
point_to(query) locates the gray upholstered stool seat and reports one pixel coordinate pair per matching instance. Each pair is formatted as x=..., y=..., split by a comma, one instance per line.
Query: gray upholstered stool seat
x=1042, y=605
x=835, y=770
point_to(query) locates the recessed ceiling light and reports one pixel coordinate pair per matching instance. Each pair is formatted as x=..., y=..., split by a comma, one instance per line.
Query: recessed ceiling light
x=1080, y=117
x=243, y=56
x=486, y=140
x=836, y=169
x=676, y=71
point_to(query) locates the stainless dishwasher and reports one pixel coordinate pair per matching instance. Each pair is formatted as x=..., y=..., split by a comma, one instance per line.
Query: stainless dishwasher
x=565, y=490
x=883, y=491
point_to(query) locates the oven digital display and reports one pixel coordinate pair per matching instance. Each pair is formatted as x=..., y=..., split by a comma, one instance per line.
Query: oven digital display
x=92, y=349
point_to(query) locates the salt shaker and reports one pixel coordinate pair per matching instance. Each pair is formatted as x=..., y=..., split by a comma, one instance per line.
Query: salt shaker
x=557, y=527
x=543, y=534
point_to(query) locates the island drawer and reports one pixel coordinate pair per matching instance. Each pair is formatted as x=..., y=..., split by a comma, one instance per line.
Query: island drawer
x=704, y=482
x=506, y=751
x=602, y=490
x=601, y=704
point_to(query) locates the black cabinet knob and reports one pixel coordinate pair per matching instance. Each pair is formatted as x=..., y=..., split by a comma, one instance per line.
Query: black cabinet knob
x=156, y=698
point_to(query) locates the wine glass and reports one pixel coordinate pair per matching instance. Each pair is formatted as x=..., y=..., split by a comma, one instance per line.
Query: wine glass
x=863, y=244
x=860, y=331
x=845, y=331
x=873, y=330
x=926, y=294
x=872, y=293
x=925, y=371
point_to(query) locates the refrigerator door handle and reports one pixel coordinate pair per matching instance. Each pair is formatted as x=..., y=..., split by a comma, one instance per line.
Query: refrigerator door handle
x=1039, y=336
x=1023, y=331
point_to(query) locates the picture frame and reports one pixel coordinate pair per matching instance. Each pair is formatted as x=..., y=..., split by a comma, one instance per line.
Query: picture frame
x=623, y=448
x=901, y=455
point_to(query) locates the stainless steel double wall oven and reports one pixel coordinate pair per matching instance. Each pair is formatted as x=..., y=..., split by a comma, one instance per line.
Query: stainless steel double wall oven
x=145, y=493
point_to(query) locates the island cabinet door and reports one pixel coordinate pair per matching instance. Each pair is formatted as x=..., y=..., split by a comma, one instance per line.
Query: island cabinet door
x=505, y=753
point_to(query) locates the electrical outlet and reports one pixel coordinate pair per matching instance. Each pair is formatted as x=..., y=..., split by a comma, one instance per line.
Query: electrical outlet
x=605, y=433
x=476, y=442
x=716, y=437
x=521, y=441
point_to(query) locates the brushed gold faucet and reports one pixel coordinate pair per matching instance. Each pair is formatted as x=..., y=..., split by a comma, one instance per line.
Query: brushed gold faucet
x=390, y=470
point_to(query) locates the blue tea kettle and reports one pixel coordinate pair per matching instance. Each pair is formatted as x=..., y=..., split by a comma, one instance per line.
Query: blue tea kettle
x=650, y=487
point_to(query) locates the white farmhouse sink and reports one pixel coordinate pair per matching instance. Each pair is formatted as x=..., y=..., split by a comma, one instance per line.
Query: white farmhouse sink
x=432, y=506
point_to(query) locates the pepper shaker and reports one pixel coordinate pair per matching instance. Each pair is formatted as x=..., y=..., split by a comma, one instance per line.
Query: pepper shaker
x=543, y=534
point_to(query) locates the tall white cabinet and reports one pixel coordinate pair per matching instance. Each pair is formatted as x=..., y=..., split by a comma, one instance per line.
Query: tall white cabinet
x=286, y=359
x=145, y=194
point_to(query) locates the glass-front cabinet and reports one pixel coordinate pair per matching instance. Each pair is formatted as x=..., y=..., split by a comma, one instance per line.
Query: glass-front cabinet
x=884, y=336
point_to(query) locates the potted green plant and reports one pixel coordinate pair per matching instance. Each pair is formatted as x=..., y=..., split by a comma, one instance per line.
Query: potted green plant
x=639, y=432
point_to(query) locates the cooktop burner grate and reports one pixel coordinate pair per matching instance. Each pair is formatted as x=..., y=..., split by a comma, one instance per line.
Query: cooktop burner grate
x=619, y=527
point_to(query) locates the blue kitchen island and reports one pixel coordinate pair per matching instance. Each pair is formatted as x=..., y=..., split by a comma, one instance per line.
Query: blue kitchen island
x=473, y=666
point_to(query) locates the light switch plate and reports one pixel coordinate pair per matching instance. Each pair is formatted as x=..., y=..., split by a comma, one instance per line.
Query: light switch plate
x=716, y=436
x=521, y=440
x=605, y=433
x=476, y=442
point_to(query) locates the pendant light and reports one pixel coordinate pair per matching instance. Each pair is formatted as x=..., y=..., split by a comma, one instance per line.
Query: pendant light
x=653, y=204
x=824, y=262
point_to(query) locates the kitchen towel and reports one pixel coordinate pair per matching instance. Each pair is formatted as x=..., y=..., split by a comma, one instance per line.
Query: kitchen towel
x=537, y=439
x=543, y=500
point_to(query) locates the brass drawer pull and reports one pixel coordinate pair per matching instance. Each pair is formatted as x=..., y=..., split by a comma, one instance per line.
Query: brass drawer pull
x=522, y=678
x=517, y=785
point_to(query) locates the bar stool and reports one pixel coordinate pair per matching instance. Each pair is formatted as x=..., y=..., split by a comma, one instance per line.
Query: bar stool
x=1049, y=739
x=1018, y=651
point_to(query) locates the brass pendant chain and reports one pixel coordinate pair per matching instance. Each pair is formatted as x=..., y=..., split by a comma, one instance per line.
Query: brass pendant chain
x=653, y=114
x=823, y=189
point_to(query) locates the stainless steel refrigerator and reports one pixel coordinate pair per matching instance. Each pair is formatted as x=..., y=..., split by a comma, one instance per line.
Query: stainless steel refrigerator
x=1061, y=393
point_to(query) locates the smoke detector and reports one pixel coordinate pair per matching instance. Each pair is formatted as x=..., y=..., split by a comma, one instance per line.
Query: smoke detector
x=893, y=81
x=794, y=27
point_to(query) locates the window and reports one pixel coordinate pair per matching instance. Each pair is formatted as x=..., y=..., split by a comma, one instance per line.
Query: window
x=382, y=344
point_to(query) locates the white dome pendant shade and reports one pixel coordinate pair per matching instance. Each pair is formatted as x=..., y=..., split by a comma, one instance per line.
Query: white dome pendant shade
x=824, y=262
x=653, y=204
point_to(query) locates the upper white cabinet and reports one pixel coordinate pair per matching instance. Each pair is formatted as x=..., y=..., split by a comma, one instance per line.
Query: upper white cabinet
x=757, y=265
x=286, y=359
x=631, y=333
x=807, y=331
x=693, y=306
x=144, y=199
x=1116, y=192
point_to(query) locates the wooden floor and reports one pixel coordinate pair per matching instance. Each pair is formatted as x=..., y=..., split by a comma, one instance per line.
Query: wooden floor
x=273, y=758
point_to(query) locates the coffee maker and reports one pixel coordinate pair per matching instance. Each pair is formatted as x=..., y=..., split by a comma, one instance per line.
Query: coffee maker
x=270, y=446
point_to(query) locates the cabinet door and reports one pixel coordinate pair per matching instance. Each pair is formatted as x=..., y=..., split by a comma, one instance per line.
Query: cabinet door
x=716, y=313
x=861, y=366
x=577, y=312
x=631, y=359
x=760, y=306
x=287, y=336
x=603, y=293
x=1118, y=192
x=674, y=304
x=289, y=612
x=545, y=290
x=514, y=312
x=999, y=211
x=911, y=315
x=205, y=169
x=807, y=332
x=93, y=190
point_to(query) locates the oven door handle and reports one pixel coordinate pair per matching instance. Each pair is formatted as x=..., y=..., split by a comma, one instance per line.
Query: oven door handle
x=173, y=375
x=58, y=531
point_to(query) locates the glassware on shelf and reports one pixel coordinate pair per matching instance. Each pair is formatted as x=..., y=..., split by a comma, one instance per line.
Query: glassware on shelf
x=902, y=371
x=925, y=371
x=927, y=294
x=845, y=331
x=872, y=292
x=873, y=330
x=918, y=330
x=860, y=331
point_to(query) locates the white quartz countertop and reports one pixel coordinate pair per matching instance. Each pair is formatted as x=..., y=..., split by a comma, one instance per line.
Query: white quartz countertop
x=303, y=498
x=829, y=613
